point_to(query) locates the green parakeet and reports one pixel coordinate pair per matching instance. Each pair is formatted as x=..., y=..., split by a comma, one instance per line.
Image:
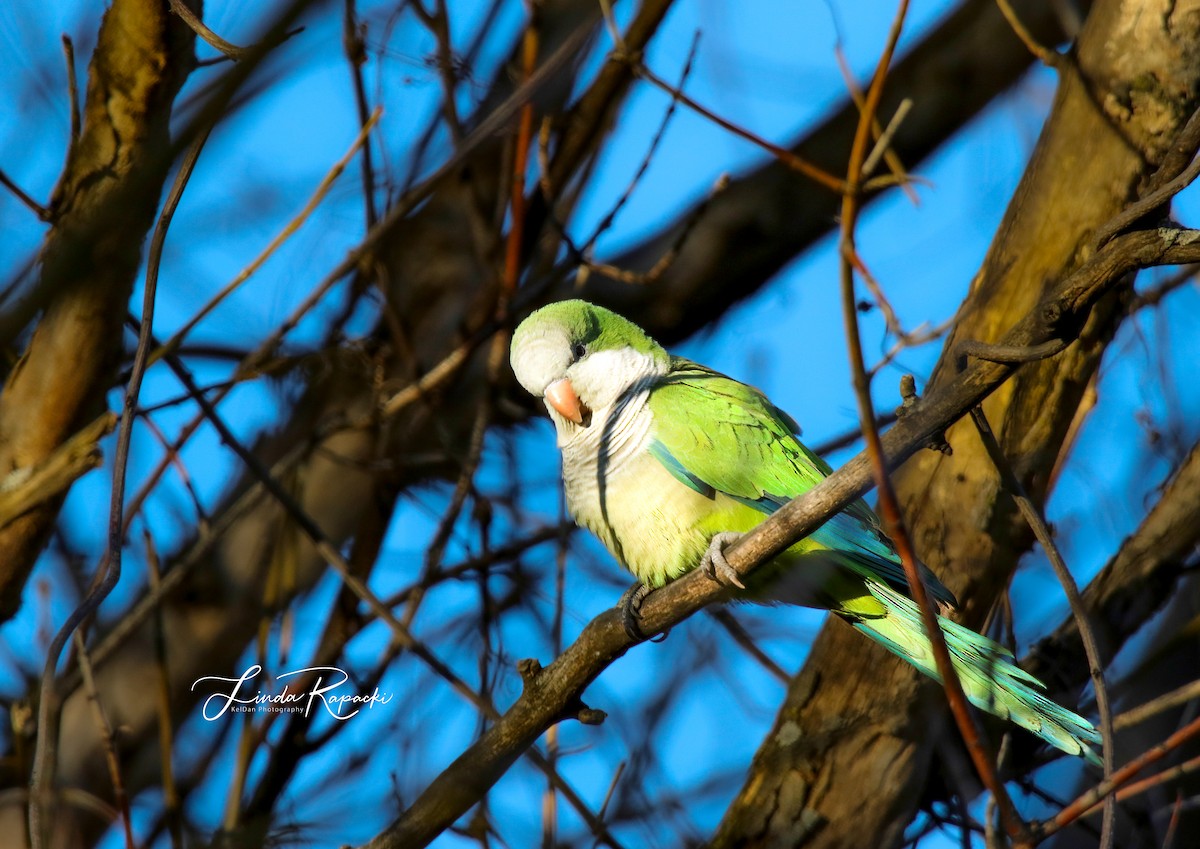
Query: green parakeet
x=667, y=461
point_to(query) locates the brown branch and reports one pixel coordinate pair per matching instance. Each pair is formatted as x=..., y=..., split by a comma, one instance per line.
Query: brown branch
x=883, y=143
x=1156, y=780
x=228, y=48
x=899, y=174
x=108, y=739
x=889, y=507
x=1164, y=185
x=40, y=211
x=1132, y=586
x=438, y=25
x=25, y=489
x=1120, y=778
x=1175, y=698
x=1034, y=518
x=1044, y=54
x=356, y=56
x=789, y=158
x=172, y=803
x=1011, y=354
x=549, y=694
x=743, y=638
x=108, y=573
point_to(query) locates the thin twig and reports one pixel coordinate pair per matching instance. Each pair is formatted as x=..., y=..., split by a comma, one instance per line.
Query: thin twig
x=438, y=25
x=356, y=56
x=40, y=211
x=1178, y=696
x=228, y=48
x=610, y=22
x=661, y=265
x=549, y=807
x=314, y=200
x=787, y=157
x=884, y=142
x=172, y=804
x=1118, y=779
x=41, y=781
x=885, y=306
x=72, y=93
x=172, y=454
x=919, y=335
x=849, y=437
x=1037, y=524
x=1045, y=55
x=888, y=505
x=1157, y=780
x=899, y=175
x=120, y=797
x=742, y=637
x=607, y=221
x=1173, y=823
x=1145, y=205
x=1152, y=296
x=511, y=551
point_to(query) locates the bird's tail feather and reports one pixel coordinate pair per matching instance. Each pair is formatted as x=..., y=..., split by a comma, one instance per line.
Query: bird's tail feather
x=990, y=678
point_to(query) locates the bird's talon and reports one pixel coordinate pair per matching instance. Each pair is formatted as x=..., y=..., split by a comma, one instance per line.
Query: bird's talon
x=630, y=606
x=716, y=566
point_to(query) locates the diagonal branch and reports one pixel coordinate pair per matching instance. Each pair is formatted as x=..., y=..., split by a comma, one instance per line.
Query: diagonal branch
x=1132, y=586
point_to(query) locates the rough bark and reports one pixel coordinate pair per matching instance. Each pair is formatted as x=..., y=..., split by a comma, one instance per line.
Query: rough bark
x=849, y=754
x=102, y=209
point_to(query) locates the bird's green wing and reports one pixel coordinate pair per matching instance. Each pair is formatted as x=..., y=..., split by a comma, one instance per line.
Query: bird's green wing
x=715, y=434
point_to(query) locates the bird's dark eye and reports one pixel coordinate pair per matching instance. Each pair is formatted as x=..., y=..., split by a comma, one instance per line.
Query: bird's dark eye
x=579, y=350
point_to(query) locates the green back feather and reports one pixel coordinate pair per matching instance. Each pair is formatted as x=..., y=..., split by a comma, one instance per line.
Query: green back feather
x=715, y=434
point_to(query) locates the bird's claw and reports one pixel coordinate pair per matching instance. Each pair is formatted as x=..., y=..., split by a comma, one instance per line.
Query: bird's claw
x=630, y=606
x=714, y=563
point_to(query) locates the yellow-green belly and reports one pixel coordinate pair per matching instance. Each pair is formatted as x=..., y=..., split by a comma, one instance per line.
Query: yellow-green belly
x=657, y=527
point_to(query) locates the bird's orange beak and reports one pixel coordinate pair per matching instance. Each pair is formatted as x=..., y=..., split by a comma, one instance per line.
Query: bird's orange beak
x=561, y=396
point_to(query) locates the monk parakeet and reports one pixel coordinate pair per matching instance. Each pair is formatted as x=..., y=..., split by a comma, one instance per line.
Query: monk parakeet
x=667, y=462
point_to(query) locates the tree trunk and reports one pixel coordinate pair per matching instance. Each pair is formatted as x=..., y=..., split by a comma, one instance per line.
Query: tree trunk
x=101, y=210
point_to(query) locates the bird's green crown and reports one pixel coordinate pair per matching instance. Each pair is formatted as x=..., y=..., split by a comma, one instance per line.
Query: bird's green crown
x=597, y=328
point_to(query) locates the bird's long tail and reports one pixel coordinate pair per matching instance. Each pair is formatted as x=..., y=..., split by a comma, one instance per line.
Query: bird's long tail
x=990, y=678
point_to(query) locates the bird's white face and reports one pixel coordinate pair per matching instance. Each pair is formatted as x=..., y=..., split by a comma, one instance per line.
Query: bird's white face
x=574, y=381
